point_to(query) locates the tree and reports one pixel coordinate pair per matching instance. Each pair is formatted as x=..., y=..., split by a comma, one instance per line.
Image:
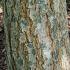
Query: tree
x=36, y=34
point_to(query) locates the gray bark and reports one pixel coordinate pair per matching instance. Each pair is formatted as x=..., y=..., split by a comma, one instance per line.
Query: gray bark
x=36, y=34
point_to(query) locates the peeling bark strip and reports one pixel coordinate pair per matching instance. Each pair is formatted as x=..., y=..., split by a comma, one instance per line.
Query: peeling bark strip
x=50, y=3
x=26, y=58
x=39, y=56
x=36, y=34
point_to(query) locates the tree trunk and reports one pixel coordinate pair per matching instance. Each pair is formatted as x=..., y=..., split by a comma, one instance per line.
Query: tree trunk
x=36, y=34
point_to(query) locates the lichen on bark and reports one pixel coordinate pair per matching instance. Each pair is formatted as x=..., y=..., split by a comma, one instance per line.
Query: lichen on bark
x=36, y=34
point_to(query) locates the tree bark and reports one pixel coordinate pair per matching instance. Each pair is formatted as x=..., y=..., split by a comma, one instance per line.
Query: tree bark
x=36, y=34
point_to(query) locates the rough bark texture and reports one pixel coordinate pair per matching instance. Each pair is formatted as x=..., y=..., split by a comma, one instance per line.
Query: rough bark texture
x=36, y=34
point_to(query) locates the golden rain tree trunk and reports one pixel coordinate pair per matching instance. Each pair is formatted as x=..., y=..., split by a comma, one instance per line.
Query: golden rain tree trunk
x=36, y=34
